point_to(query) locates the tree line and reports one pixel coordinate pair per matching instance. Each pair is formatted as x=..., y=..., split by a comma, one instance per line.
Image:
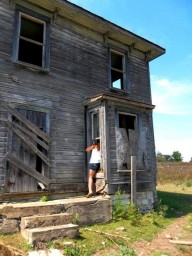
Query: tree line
x=176, y=156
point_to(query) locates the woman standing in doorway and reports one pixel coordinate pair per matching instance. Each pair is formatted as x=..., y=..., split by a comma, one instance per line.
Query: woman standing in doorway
x=94, y=165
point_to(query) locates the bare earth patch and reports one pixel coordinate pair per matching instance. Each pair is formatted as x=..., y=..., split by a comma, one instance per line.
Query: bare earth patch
x=162, y=244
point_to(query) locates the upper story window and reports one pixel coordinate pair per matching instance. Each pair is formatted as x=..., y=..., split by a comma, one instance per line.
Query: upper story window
x=31, y=39
x=118, y=70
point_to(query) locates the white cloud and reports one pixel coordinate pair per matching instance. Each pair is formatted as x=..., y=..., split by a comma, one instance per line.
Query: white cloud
x=171, y=97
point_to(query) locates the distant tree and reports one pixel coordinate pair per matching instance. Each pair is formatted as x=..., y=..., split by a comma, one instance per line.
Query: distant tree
x=190, y=160
x=160, y=157
x=177, y=156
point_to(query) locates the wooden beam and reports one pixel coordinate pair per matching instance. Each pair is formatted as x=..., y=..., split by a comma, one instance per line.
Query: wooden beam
x=133, y=179
x=30, y=134
x=30, y=125
x=27, y=169
x=11, y=3
x=131, y=47
x=183, y=242
x=27, y=141
x=55, y=14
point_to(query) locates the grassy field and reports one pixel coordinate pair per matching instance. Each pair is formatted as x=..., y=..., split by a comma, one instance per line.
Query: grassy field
x=179, y=174
x=175, y=200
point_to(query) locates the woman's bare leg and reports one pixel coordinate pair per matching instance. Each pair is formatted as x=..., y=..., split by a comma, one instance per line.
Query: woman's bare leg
x=91, y=184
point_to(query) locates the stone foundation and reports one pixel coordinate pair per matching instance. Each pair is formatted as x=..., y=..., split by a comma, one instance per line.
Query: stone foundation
x=145, y=200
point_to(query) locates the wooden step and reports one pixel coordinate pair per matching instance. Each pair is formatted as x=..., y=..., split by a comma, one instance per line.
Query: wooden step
x=46, y=220
x=48, y=233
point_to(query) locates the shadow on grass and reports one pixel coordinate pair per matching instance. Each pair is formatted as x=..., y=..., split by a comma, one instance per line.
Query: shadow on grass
x=178, y=204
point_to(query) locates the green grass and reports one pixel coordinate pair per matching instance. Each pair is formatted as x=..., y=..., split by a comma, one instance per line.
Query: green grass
x=161, y=254
x=178, y=204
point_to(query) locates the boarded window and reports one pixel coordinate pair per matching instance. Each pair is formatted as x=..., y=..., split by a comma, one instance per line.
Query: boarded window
x=126, y=140
x=127, y=121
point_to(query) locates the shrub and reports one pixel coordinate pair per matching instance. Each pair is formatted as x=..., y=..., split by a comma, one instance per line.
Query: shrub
x=121, y=210
x=44, y=199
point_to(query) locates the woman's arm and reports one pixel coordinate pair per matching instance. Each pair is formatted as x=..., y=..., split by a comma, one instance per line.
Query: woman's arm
x=89, y=148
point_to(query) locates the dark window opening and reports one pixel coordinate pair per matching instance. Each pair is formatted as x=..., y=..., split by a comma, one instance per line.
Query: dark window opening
x=117, y=70
x=31, y=30
x=30, y=53
x=116, y=61
x=31, y=42
x=127, y=122
x=38, y=159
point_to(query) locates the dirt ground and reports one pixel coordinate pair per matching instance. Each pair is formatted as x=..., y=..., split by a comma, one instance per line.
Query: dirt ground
x=161, y=245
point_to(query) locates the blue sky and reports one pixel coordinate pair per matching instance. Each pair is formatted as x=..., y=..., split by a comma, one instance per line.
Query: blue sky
x=167, y=23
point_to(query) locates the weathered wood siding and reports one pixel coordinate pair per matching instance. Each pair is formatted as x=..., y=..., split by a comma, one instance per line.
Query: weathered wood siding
x=79, y=69
x=146, y=174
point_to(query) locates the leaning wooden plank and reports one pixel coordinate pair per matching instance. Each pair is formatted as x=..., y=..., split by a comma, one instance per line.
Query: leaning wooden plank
x=9, y=250
x=30, y=125
x=27, y=141
x=34, y=137
x=183, y=242
x=27, y=169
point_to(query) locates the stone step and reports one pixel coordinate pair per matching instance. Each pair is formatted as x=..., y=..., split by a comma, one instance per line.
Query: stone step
x=48, y=233
x=46, y=220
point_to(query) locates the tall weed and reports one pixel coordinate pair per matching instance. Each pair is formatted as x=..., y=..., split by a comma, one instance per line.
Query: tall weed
x=177, y=173
x=128, y=211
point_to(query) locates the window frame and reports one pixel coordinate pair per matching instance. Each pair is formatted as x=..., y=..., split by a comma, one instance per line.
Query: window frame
x=136, y=127
x=96, y=112
x=119, y=113
x=124, y=71
x=38, y=18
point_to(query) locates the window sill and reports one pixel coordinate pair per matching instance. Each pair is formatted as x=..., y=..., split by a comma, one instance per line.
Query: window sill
x=31, y=67
x=119, y=91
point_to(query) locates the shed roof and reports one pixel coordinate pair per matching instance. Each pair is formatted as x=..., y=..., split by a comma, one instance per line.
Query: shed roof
x=101, y=26
x=116, y=98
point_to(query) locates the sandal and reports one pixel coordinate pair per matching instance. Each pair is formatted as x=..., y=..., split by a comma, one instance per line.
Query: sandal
x=89, y=195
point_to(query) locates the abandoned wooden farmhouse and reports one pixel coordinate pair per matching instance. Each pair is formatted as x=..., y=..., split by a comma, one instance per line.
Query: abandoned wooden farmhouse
x=68, y=76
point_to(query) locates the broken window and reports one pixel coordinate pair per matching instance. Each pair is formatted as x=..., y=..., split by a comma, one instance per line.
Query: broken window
x=127, y=122
x=117, y=70
x=126, y=140
x=31, y=44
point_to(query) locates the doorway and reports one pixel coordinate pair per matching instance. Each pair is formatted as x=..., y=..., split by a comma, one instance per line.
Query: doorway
x=28, y=145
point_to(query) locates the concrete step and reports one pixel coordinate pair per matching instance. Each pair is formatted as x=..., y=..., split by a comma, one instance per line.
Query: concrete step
x=46, y=220
x=48, y=233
